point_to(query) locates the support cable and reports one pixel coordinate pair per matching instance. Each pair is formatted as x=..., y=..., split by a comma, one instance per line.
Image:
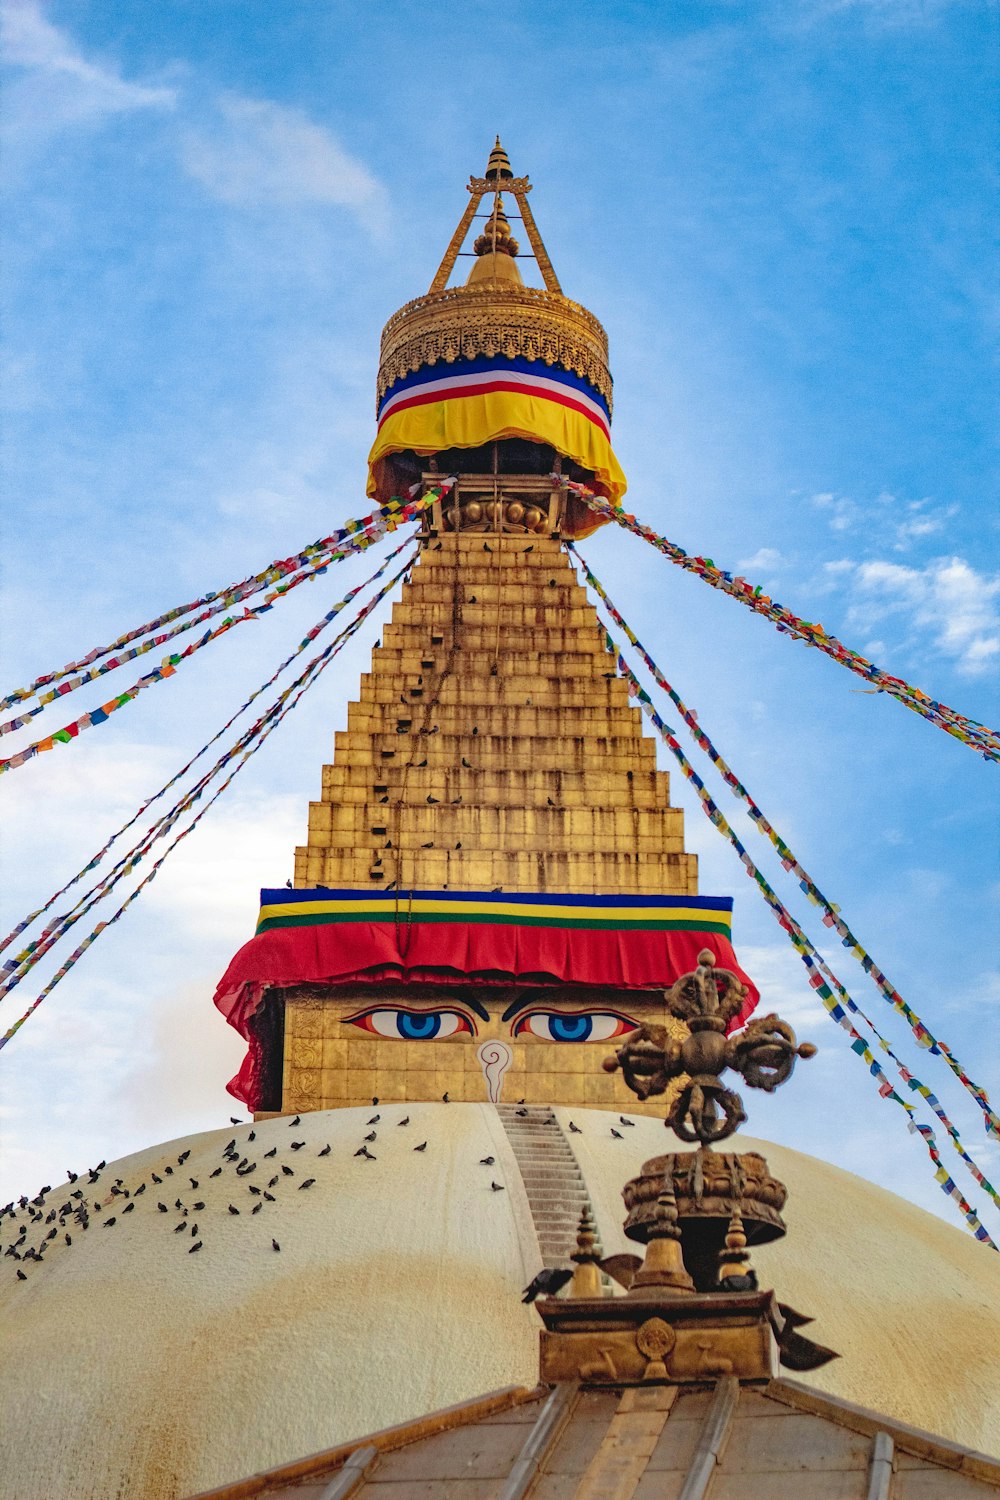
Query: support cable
x=13, y=964
x=977, y=736
x=831, y=913
x=818, y=970
x=245, y=746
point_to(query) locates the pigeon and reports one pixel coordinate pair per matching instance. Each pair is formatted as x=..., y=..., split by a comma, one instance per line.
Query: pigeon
x=325, y=1151
x=521, y=1113
x=372, y=1135
x=497, y=1187
x=128, y=1209
x=194, y=1185
x=234, y=1121
x=428, y=846
x=445, y=1099
x=270, y=1197
x=740, y=1282
x=232, y=1209
x=255, y=1190
x=155, y=1178
x=257, y=1208
x=465, y=763
x=163, y=1208
x=296, y=1121
x=550, y=801
x=487, y=1161
x=252, y=1136
x=366, y=1154
x=421, y=1147
x=531, y=548
x=297, y=1145
x=273, y=1152
x=404, y=1121
x=20, y=1275
x=617, y=1134
x=275, y=1245
x=216, y=1173
x=548, y=1282
x=288, y=1172
x=108, y=1223
x=374, y=1103
x=183, y=1158
x=71, y=1175
x=421, y=764
x=487, y=547
x=431, y=799
x=624, y=1121
x=180, y=1227
x=194, y=1247
x=475, y=729
x=375, y=1118
x=274, y=1181
x=574, y=1129
x=307, y=1184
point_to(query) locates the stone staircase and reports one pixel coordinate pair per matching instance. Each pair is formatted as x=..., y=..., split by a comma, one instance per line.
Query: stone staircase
x=553, y=1180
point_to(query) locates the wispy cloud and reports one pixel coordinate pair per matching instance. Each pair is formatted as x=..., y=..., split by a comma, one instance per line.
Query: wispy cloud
x=899, y=523
x=952, y=603
x=262, y=154
x=65, y=85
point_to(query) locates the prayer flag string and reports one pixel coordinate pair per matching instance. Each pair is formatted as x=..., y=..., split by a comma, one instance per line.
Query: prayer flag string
x=282, y=706
x=170, y=663
x=831, y=913
x=978, y=736
x=357, y=534
x=815, y=964
x=15, y=968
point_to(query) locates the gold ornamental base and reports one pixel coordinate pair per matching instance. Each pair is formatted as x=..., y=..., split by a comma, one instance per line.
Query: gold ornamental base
x=684, y=1340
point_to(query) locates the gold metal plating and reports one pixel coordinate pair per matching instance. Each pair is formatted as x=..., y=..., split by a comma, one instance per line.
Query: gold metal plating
x=517, y=322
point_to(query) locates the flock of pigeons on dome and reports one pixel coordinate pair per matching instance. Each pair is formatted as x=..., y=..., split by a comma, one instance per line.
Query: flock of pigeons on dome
x=33, y=1230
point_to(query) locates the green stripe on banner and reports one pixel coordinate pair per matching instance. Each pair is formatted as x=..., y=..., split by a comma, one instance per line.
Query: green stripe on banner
x=511, y=919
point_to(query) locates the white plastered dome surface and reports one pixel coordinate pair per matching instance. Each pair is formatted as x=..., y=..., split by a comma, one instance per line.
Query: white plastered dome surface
x=132, y=1367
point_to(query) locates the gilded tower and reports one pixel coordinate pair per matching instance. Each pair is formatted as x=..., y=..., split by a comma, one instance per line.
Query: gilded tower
x=493, y=871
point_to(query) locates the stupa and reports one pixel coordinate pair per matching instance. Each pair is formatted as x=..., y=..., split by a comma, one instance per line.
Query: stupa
x=491, y=979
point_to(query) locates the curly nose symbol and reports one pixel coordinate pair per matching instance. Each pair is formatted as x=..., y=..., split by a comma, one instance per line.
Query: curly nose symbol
x=495, y=1057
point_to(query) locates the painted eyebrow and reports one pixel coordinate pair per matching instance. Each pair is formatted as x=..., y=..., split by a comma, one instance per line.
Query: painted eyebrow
x=475, y=1005
x=522, y=1004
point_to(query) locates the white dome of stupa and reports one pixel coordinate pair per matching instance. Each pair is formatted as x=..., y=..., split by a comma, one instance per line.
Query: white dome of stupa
x=133, y=1367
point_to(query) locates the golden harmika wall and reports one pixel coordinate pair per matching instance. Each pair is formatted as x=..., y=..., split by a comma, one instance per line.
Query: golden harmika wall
x=330, y=1063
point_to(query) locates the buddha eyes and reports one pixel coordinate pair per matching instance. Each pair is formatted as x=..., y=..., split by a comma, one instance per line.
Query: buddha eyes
x=580, y=1026
x=407, y=1025
x=413, y=1025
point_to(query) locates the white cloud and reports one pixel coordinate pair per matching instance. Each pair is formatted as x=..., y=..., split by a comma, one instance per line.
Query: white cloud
x=885, y=519
x=263, y=154
x=948, y=599
x=67, y=85
x=764, y=560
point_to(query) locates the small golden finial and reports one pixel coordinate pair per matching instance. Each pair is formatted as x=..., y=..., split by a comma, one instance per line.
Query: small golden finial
x=586, y=1257
x=498, y=168
x=496, y=237
x=664, y=1263
x=735, y=1271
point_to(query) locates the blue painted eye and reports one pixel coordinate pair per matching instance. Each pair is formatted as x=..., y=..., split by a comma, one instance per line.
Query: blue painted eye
x=412, y=1025
x=574, y=1026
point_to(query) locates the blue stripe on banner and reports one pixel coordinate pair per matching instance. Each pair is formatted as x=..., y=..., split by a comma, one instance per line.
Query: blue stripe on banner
x=394, y=898
x=483, y=365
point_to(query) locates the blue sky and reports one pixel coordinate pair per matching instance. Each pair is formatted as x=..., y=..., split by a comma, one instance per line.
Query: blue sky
x=783, y=213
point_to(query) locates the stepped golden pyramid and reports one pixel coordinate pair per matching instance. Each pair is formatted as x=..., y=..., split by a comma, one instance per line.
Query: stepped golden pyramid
x=493, y=896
